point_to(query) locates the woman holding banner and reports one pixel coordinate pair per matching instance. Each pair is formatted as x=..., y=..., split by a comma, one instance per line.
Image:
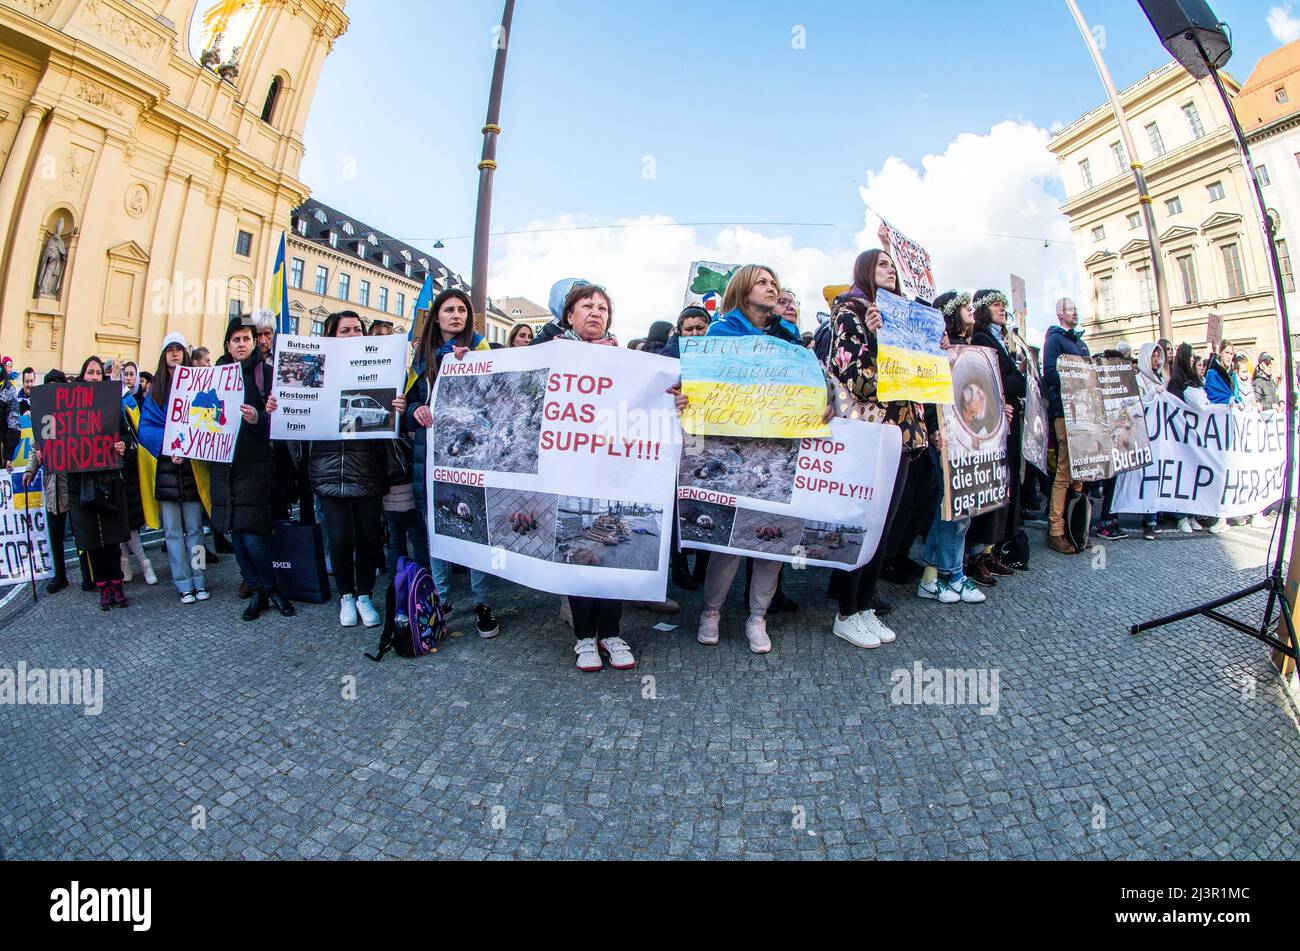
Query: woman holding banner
x=350, y=478
x=1151, y=383
x=449, y=330
x=1186, y=384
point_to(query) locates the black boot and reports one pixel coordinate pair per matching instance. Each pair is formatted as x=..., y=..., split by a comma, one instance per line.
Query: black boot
x=281, y=603
x=57, y=584
x=257, y=603
x=222, y=544
x=681, y=573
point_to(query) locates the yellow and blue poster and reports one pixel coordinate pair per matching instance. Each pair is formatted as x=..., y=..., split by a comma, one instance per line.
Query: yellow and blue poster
x=911, y=364
x=758, y=387
x=25, y=553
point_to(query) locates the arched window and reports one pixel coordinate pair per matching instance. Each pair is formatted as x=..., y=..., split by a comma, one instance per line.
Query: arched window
x=272, y=97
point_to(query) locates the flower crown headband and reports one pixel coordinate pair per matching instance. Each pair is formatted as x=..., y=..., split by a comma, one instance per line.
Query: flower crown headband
x=956, y=304
x=991, y=298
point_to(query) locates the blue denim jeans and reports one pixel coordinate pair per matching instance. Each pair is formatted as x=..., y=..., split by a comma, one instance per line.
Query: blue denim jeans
x=479, y=581
x=945, y=546
x=254, y=559
x=407, y=535
x=183, y=531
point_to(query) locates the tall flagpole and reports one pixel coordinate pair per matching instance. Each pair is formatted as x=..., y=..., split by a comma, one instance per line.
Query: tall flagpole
x=1144, y=196
x=487, y=166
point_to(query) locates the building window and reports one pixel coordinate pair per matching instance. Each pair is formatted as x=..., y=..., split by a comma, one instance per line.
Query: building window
x=1261, y=172
x=1284, y=261
x=1174, y=205
x=345, y=287
x=1157, y=143
x=1194, y=120
x=1106, y=290
x=302, y=222
x=1216, y=191
x=244, y=244
x=1099, y=233
x=334, y=239
x=317, y=328
x=365, y=294
x=235, y=309
x=272, y=97
x=1232, y=266
x=383, y=299
x=387, y=260
x=293, y=324
x=1134, y=221
x=1280, y=95
x=361, y=249
x=322, y=279
x=1085, y=169
x=1121, y=160
x=296, y=268
x=1187, y=271
x=401, y=304
x=1147, y=289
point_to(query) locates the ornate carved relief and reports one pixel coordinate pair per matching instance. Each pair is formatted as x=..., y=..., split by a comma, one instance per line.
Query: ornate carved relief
x=98, y=96
x=75, y=166
x=137, y=200
x=33, y=8
x=19, y=80
x=118, y=28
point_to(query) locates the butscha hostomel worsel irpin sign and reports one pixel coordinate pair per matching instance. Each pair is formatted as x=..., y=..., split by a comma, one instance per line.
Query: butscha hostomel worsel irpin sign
x=1219, y=461
x=554, y=466
x=912, y=365
x=76, y=425
x=1103, y=418
x=333, y=388
x=758, y=387
x=203, y=414
x=25, y=553
x=817, y=501
x=975, y=474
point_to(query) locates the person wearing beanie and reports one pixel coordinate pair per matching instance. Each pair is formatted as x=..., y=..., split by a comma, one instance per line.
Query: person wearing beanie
x=657, y=338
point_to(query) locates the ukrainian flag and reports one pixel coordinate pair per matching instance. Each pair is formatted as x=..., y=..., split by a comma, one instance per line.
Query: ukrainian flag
x=149, y=424
x=421, y=312
x=278, y=299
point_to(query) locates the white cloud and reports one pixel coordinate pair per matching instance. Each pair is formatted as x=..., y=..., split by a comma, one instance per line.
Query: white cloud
x=1284, y=24
x=1000, y=182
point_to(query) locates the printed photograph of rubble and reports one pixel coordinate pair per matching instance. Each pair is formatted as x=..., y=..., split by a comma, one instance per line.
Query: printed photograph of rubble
x=705, y=523
x=753, y=468
x=607, y=534
x=828, y=541
x=522, y=522
x=460, y=511
x=765, y=533
x=490, y=423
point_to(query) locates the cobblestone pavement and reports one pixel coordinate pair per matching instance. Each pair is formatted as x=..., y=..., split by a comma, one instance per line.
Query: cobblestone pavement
x=223, y=739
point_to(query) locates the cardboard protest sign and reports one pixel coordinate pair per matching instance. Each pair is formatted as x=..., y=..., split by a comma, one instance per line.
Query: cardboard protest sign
x=1038, y=424
x=1103, y=418
x=1214, y=331
x=1019, y=302
x=707, y=284
x=203, y=413
x=76, y=425
x=915, y=274
x=1220, y=461
x=806, y=501
x=976, y=478
x=759, y=387
x=25, y=552
x=911, y=364
x=338, y=387
x=554, y=466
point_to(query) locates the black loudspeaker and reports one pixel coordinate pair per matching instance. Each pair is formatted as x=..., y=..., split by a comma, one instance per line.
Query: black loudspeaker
x=1180, y=24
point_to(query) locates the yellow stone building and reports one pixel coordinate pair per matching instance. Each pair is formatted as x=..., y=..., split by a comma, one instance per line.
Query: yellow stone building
x=1214, y=258
x=149, y=154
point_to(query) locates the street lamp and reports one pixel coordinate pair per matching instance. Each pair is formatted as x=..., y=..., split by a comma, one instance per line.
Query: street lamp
x=486, y=167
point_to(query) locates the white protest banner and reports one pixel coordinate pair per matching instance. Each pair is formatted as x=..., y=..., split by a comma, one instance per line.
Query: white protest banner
x=554, y=466
x=915, y=274
x=1220, y=461
x=25, y=552
x=1103, y=412
x=203, y=413
x=706, y=285
x=338, y=387
x=807, y=501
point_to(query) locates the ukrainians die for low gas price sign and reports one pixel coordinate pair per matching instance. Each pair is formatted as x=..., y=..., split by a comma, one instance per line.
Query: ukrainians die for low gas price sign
x=203, y=413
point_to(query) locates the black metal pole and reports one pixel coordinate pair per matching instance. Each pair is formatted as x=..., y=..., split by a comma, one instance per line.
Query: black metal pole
x=486, y=167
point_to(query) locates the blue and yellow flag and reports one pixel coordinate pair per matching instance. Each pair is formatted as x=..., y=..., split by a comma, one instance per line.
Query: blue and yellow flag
x=423, y=303
x=149, y=424
x=277, y=300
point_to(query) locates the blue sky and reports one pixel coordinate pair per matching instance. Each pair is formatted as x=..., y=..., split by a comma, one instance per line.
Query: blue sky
x=741, y=127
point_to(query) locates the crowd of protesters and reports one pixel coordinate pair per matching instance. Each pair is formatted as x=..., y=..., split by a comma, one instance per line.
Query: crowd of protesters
x=369, y=496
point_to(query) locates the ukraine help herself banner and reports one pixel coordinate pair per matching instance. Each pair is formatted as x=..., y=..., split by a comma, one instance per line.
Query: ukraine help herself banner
x=1219, y=461
x=806, y=501
x=553, y=466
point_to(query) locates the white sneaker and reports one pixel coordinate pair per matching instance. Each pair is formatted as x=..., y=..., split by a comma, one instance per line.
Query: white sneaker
x=126, y=568
x=1185, y=525
x=1219, y=527
x=868, y=621
x=756, y=631
x=187, y=597
x=970, y=592
x=617, y=652
x=852, y=630
x=348, y=611
x=1196, y=524
x=369, y=616
x=937, y=590
x=1259, y=520
x=201, y=594
x=588, y=655
x=709, y=628
x=149, y=576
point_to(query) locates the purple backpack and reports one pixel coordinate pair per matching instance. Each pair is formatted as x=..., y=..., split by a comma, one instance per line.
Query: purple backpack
x=415, y=619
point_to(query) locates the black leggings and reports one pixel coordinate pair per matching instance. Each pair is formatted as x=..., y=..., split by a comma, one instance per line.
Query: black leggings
x=856, y=590
x=355, y=547
x=595, y=617
x=105, y=563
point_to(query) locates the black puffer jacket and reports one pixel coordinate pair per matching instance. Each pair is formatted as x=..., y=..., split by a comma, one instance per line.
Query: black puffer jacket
x=416, y=397
x=354, y=469
x=242, y=492
x=174, y=483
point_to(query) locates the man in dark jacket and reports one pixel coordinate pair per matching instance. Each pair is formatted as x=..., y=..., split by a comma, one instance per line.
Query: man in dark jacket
x=1264, y=385
x=1063, y=340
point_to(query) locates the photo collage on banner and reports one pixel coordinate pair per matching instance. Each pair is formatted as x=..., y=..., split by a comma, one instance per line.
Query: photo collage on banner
x=554, y=467
x=911, y=363
x=812, y=501
x=203, y=415
x=974, y=456
x=1103, y=418
x=332, y=388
